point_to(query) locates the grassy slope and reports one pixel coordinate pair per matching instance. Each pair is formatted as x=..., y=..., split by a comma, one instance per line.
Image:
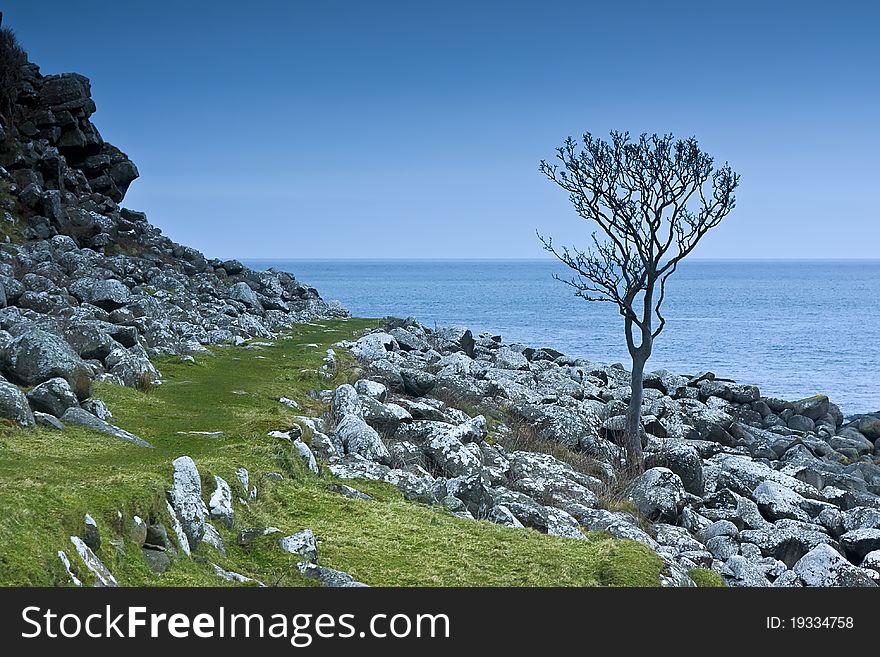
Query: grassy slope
x=48, y=480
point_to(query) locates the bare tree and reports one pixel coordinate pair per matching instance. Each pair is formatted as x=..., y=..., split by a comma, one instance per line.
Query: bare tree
x=653, y=200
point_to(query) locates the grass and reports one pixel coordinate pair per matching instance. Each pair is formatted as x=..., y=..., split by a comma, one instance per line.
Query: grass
x=705, y=578
x=49, y=480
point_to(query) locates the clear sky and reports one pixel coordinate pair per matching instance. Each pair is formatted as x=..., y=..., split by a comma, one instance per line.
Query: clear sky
x=414, y=129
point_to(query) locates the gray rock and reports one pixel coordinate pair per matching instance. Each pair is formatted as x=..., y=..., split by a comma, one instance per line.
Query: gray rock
x=328, y=576
x=776, y=502
x=108, y=294
x=788, y=579
x=658, y=494
x=91, y=535
x=451, y=457
x=718, y=528
x=355, y=466
x=417, y=383
x=132, y=366
x=374, y=346
x=413, y=487
x=82, y=418
x=501, y=515
x=814, y=408
x=861, y=517
x=722, y=547
x=372, y=389
x=683, y=459
x=103, y=577
x=858, y=543
x=824, y=566
x=307, y=456
x=185, y=497
x=242, y=292
x=360, y=438
x=138, y=531
x=231, y=576
x=786, y=542
x=473, y=492
x=14, y=405
x=560, y=523
x=53, y=396
x=801, y=423
x=48, y=421
x=345, y=402
x=97, y=408
x=250, y=534
x=220, y=504
x=739, y=571
x=36, y=356
x=301, y=543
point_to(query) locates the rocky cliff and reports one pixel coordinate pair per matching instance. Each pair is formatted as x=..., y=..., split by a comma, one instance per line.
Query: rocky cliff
x=90, y=289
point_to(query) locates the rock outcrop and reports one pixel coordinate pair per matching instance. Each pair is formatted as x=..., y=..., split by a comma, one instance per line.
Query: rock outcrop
x=90, y=289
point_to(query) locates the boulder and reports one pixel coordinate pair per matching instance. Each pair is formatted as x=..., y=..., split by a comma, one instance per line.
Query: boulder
x=777, y=502
x=36, y=356
x=108, y=294
x=374, y=346
x=220, y=504
x=185, y=498
x=658, y=494
x=814, y=408
x=80, y=417
x=683, y=459
x=345, y=402
x=360, y=438
x=824, y=566
x=448, y=453
x=328, y=576
x=302, y=543
x=14, y=405
x=858, y=543
x=53, y=396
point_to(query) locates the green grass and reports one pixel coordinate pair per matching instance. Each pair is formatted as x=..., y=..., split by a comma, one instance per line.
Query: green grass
x=49, y=480
x=705, y=578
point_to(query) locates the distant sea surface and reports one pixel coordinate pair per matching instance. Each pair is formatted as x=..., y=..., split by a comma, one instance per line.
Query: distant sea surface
x=793, y=328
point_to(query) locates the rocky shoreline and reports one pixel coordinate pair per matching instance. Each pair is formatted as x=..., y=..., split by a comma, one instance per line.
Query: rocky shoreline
x=760, y=490
x=763, y=491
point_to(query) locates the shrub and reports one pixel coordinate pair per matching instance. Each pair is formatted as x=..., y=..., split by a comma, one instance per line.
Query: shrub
x=12, y=58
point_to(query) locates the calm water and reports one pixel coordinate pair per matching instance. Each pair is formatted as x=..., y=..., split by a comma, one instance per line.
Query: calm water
x=793, y=328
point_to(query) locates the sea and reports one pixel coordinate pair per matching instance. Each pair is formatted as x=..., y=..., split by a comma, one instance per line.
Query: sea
x=794, y=328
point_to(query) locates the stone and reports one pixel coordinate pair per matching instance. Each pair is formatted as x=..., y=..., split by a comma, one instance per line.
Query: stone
x=328, y=576
x=814, y=407
x=91, y=535
x=345, y=402
x=231, y=576
x=138, y=531
x=683, y=459
x=360, y=438
x=212, y=537
x=739, y=571
x=801, y=423
x=54, y=396
x=718, y=528
x=14, y=405
x=786, y=542
x=97, y=408
x=776, y=502
x=824, y=566
x=417, y=383
x=560, y=523
x=82, y=418
x=243, y=293
x=501, y=515
x=132, y=366
x=36, y=356
x=658, y=494
x=185, y=497
x=108, y=294
x=722, y=547
x=451, y=457
x=103, y=577
x=374, y=346
x=48, y=421
x=372, y=389
x=67, y=567
x=247, y=536
x=302, y=543
x=858, y=543
x=306, y=455
x=220, y=504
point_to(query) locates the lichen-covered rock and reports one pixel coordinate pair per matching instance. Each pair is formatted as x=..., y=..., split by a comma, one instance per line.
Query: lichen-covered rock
x=14, y=405
x=824, y=566
x=185, y=498
x=328, y=576
x=54, y=396
x=658, y=494
x=37, y=356
x=220, y=504
x=302, y=543
x=360, y=438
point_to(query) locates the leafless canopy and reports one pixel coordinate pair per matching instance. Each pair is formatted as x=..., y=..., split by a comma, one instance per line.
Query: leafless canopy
x=653, y=199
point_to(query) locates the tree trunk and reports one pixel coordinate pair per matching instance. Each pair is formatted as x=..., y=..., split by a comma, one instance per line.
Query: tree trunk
x=632, y=438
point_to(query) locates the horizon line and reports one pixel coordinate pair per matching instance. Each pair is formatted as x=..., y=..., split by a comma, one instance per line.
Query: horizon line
x=515, y=259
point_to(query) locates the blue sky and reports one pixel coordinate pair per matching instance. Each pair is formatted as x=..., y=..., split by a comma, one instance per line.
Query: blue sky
x=408, y=129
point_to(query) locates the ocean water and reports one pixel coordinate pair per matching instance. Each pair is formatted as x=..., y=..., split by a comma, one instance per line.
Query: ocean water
x=792, y=328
